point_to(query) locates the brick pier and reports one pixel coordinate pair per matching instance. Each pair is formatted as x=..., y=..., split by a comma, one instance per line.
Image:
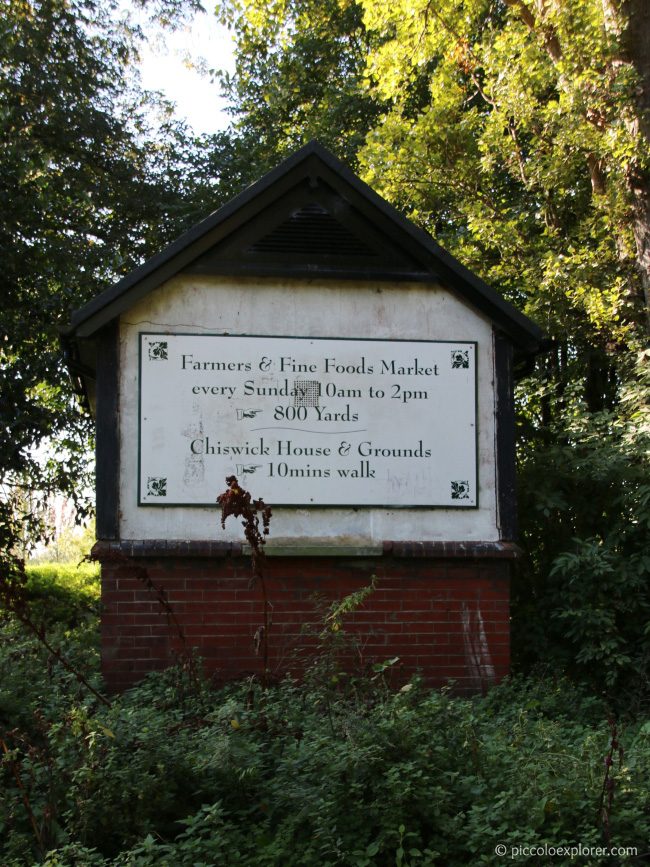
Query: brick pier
x=442, y=608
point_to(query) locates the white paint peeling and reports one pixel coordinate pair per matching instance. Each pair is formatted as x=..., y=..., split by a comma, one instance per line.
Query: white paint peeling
x=477, y=651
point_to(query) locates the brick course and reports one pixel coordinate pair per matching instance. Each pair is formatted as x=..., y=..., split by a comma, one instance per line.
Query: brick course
x=445, y=617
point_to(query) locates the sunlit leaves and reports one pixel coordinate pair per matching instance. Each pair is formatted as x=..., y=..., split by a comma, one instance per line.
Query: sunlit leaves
x=299, y=75
x=513, y=139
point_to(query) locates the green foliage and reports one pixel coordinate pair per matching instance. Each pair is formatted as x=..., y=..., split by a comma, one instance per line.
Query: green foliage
x=586, y=520
x=65, y=143
x=70, y=545
x=300, y=774
x=63, y=592
x=438, y=778
x=89, y=191
x=300, y=70
x=510, y=149
x=347, y=605
x=33, y=686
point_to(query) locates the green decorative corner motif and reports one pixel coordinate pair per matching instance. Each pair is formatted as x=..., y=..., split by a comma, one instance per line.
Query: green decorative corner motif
x=460, y=359
x=156, y=486
x=158, y=349
x=460, y=490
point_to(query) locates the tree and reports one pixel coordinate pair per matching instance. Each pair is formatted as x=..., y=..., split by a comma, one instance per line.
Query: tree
x=300, y=70
x=516, y=132
x=87, y=193
x=514, y=136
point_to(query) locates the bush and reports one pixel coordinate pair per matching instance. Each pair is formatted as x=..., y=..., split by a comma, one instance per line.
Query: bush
x=302, y=776
x=63, y=592
x=64, y=601
x=332, y=771
x=581, y=600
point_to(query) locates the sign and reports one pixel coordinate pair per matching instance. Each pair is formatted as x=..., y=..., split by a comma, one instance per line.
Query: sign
x=307, y=421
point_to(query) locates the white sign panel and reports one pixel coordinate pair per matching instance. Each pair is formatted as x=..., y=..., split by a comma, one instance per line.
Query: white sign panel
x=307, y=421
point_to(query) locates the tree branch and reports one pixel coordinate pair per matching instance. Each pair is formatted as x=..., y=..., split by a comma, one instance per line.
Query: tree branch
x=461, y=41
x=549, y=38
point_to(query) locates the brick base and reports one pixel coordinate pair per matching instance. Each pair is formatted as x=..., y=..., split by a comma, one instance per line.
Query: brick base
x=446, y=617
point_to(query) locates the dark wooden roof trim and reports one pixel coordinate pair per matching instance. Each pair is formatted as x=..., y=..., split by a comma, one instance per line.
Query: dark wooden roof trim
x=314, y=160
x=440, y=264
x=181, y=252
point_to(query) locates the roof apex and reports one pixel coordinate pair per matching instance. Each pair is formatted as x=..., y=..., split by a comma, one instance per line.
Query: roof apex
x=402, y=251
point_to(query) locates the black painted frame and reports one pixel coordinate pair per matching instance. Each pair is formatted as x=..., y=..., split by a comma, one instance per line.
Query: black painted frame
x=506, y=469
x=107, y=438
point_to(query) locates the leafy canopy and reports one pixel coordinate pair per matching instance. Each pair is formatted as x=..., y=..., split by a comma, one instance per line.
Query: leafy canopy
x=89, y=189
x=518, y=134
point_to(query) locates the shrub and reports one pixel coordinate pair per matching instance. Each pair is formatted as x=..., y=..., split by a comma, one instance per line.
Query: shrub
x=330, y=771
x=581, y=600
x=299, y=776
x=63, y=592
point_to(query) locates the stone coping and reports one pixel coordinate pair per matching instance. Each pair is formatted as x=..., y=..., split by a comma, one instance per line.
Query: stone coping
x=106, y=550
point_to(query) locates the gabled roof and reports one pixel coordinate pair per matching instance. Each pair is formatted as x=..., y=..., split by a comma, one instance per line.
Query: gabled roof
x=309, y=217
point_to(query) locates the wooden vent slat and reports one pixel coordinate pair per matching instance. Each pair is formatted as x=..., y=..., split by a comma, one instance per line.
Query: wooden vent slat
x=312, y=231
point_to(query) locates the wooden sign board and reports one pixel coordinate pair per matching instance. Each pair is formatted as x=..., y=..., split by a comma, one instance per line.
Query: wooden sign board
x=307, y=421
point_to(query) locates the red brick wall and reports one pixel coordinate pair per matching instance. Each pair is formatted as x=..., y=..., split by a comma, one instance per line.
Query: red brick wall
x=445, y=617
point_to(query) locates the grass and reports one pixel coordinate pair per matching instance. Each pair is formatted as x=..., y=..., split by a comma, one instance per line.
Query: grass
x=63, y=592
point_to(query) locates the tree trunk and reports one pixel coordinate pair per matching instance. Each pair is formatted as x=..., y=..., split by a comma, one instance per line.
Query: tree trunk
x=630, y=21
x=637, y=47
x=639, y=184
